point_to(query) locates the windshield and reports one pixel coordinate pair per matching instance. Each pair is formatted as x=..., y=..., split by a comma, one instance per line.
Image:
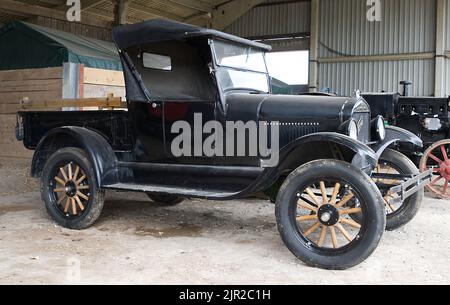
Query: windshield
x=240, y=67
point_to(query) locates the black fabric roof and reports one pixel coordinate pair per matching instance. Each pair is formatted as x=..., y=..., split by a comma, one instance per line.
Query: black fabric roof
x=156, y=30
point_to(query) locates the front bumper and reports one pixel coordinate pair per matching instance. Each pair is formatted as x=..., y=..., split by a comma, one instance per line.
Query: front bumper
x=409, y=186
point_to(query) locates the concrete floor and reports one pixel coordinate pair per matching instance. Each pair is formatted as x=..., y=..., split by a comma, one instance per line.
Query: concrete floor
x=197, y=242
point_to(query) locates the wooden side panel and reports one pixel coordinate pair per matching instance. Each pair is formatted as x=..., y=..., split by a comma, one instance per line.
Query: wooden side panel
x=29, y=74
x=36, y=84
x=97, y=91
x=103, y=77
x=100, y=83
x=9, y=146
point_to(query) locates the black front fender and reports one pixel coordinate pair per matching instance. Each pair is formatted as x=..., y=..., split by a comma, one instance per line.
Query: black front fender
x=396, y=135
x=365, y=158
x=99, y=151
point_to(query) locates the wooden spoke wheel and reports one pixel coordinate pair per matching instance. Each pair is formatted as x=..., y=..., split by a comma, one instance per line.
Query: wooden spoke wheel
x=437, y=157
x=323, y=214
x=387, y=168
x=394, y=165
x=71, y=189
x=314, y=208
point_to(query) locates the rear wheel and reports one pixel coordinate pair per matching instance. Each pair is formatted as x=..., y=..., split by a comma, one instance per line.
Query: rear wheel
x=167, y=200
x=69, y=189
x=401, y=213
x=313, y=211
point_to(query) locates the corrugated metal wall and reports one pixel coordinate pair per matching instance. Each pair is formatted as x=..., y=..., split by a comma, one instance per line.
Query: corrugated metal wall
x=272, y=20
x=344, y=78
x=407, y=26
x=276, y=18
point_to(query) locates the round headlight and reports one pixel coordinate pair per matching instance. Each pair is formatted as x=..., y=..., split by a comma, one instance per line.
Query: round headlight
x=353, y=130
x=381, y=129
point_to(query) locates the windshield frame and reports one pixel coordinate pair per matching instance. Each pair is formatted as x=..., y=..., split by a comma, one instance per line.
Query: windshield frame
x=217, y=66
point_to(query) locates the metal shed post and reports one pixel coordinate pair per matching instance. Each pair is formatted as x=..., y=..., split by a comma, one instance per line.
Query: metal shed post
x=440, y=86
x=314, y=46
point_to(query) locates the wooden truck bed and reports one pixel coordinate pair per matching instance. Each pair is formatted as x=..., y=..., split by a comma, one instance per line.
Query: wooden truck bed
x=108, y=116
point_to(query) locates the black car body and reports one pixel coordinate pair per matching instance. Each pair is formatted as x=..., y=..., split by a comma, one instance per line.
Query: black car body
x=174, y=71
x=132, y=149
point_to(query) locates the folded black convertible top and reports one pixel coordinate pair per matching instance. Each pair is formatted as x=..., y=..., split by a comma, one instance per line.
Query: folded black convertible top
x=156, y=30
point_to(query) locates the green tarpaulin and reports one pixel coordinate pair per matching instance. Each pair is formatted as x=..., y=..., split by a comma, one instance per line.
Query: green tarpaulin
x=29, y=46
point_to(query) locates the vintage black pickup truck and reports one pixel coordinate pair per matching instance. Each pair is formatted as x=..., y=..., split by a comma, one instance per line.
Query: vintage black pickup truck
x=202, y=122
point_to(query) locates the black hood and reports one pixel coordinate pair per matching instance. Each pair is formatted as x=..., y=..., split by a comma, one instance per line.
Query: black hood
x=297, y=116
x=295, y=108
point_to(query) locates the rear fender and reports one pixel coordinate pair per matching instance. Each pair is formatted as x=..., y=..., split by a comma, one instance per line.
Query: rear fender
x=99, y=151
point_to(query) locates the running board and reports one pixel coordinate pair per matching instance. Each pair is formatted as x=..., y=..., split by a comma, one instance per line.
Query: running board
x=179, y=191
x=203, y=170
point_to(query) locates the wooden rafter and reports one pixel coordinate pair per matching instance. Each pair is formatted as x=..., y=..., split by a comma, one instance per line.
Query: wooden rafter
x=109, y=15
x=155, y=12
x=26, y=9
x=201, y=6
x=85, y=4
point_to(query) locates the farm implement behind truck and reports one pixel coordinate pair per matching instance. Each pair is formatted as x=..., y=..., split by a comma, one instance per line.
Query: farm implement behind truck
x=427, y=118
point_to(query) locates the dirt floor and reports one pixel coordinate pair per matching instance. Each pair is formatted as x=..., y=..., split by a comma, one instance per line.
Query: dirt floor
x=197, y=242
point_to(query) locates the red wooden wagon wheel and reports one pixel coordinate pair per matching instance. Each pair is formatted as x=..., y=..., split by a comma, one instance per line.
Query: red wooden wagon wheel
x=437, y=156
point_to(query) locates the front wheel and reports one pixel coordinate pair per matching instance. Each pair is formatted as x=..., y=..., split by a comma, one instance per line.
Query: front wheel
x=313, y=211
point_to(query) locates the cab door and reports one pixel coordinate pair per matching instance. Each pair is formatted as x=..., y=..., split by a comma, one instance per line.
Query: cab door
x=193, y=114
x=147, y=119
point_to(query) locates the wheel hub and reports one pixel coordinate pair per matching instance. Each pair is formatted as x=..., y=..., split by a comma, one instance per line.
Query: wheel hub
x=444, y=169
x=328, y=215
x=70, y=189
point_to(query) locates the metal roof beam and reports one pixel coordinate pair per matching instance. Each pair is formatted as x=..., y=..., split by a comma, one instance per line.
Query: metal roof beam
x=121, y=11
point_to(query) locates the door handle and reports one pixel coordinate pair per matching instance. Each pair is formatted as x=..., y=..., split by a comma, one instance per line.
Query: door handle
x=155, y=105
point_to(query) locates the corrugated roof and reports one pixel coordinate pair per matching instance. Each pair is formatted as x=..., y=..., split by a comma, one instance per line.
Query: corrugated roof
x=139, y=10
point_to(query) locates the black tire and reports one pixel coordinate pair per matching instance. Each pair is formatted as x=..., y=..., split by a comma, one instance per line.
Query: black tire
x=167, y=200
x=373, y=211
x=92, y=206
x=410, y=207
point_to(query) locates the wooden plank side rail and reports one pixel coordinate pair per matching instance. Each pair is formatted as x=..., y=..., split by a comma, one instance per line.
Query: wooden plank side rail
x=109, y=102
